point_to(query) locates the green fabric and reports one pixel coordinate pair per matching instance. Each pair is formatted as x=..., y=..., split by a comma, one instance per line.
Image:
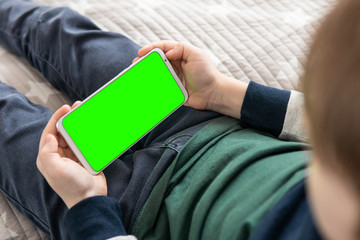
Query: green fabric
x=222, y=183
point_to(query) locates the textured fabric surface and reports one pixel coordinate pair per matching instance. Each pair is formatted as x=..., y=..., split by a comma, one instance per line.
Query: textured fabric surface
x=261, y=40
x=222, y=186
x=13, y=225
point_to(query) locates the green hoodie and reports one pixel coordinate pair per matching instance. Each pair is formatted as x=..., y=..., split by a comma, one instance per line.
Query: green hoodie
x=221, y=184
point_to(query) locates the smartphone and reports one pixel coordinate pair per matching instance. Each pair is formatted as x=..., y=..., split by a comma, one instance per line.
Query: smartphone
x=124, y=110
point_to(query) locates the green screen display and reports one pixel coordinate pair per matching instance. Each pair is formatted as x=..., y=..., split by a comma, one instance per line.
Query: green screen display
x=108, y=123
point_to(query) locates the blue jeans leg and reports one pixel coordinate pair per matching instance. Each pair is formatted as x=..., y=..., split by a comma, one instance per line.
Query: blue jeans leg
x=68, y=49
x=21, y=125
x=77, y=58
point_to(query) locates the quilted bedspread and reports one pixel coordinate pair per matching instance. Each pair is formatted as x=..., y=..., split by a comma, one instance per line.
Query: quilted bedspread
x=261, y=40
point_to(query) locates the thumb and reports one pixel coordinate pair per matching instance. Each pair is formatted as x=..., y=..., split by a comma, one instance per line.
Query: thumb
x=182, y=51
x=50, y=144
x=177, y=53
x=47, y=152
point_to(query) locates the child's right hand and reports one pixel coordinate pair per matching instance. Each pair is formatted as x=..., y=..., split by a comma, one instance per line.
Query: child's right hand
x=194, y=68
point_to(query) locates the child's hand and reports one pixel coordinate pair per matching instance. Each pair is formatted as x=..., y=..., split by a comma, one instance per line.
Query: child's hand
x=62, y=170
x=208, y=89
x=194, y=68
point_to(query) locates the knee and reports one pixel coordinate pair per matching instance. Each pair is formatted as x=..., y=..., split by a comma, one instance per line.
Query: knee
x=57, y=24
x=64, y=18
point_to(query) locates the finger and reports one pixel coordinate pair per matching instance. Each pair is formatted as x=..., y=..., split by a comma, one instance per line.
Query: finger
x=51, y=126
x=68, y=153
x=75, y=104
x=135, y=59
x=62, y=142
x=164, y=45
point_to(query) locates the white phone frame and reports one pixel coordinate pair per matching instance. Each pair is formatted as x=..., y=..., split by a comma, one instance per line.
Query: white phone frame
x=71, y=143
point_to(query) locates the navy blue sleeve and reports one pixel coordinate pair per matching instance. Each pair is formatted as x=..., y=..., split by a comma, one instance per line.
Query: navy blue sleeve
x=264, y=108
x=290, y=218
x=95, y=218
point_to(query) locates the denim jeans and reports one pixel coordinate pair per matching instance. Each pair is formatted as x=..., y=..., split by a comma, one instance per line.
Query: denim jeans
x=76, y=57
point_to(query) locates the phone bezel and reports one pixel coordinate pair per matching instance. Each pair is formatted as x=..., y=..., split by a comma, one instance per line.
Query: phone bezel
x=71, y=143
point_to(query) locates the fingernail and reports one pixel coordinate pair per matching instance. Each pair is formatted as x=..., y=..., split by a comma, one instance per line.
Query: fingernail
x=171, y=51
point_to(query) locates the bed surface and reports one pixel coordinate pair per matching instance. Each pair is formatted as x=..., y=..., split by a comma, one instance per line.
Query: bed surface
x=261, y=40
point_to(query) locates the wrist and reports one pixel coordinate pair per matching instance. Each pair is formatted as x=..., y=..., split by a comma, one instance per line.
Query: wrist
x=73, y=199
x=228, y=96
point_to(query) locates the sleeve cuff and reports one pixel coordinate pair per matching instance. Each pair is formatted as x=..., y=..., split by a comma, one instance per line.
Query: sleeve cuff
x=95, y=218
x=264, y=108
x=294, y=127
